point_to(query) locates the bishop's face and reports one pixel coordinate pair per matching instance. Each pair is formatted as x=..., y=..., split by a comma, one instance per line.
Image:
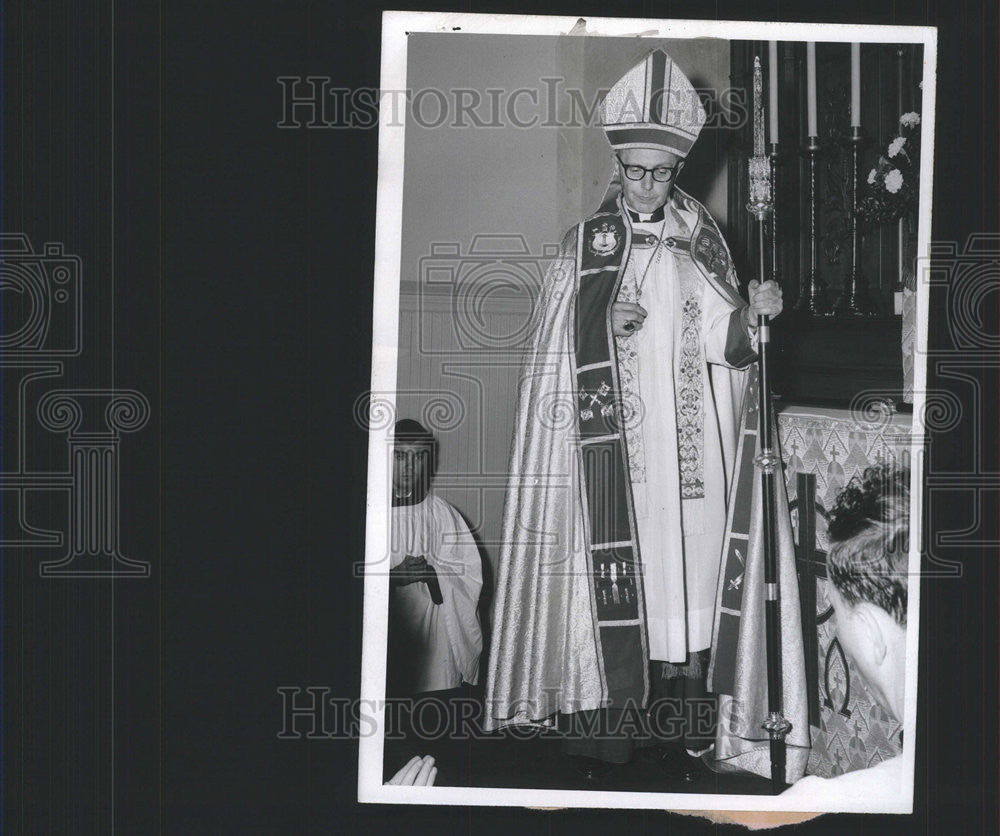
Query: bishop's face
x=647, y=194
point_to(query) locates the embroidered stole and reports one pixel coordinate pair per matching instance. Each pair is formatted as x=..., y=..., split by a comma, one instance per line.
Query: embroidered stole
x=617, y=597
x=603, y=418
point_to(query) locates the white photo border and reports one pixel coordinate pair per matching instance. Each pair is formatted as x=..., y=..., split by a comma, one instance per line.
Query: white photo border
x=395, y=27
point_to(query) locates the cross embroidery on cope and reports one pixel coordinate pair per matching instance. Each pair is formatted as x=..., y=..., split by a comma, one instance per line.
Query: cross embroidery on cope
x=595, y=400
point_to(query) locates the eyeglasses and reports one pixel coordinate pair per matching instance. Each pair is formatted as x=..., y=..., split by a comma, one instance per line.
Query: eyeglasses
x=661, y=174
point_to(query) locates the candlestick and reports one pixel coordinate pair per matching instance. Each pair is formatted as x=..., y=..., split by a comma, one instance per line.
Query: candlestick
x=853, y=299
x=812, y=291
x=811, y=87
x=855, y=85
x=772, y=80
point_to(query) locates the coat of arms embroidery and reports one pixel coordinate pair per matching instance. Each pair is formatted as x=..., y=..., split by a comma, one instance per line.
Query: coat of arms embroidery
x=605, y=240
x=712, y=254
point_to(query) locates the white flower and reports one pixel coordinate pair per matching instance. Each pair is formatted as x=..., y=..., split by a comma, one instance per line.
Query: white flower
x=894, y=181
x=909, y=120
x=872, y=176
x=896, y=145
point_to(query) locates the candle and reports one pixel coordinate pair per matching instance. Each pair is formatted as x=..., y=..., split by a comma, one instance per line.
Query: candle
x=772, y=65
x=855, y=85
x=811, y=86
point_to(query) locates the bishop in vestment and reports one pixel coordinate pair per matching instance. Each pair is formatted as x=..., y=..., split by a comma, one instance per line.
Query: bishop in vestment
x=624, y=441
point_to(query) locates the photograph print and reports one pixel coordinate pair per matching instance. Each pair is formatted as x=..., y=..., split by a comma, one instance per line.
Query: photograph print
x=645, y=447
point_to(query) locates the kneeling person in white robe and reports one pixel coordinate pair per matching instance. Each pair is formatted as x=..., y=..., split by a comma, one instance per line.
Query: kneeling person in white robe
x=867, y=566
x=435, y=638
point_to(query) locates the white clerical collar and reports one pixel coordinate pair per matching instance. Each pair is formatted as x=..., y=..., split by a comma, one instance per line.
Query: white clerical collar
x=645, y=217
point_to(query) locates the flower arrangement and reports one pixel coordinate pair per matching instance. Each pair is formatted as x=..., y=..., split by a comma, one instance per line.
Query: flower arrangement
x=893, y=185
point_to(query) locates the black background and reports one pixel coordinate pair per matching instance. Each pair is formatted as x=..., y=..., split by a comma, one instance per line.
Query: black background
x=227, y=273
